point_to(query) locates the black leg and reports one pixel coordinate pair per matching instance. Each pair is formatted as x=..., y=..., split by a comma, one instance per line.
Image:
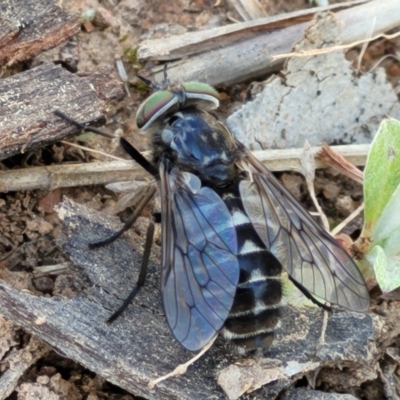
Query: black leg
x=148, y=195
x=309, y=295
x=142, y=274
x=157, y=218
x=83, y=127
x=143, y=162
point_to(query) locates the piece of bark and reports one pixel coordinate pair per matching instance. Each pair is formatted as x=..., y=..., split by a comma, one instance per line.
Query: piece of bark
x=349, y=341
x=134, y=349
x=102, y=173
x=139, y=346
x=17, y=363
x=307, y=394
x=240, y=52
x=29, y=99
x=28, y=27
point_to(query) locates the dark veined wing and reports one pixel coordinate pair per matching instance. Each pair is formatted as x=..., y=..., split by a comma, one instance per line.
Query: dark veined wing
x=200, y=269
x=308, y=253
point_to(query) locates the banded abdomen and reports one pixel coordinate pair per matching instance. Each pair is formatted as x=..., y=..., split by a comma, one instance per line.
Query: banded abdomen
x=255, y=312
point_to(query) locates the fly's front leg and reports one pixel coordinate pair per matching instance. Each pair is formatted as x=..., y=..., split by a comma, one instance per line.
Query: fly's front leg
x=84, y=127
x=147, y=196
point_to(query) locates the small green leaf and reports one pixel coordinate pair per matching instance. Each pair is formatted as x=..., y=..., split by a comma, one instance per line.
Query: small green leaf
x=382, y=200
x=386, y=269
x=85, y=137
x=387, y=227
x=131, y=54
x=381, y=175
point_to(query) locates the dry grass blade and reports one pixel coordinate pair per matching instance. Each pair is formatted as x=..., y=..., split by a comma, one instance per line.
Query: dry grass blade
x=53, y=270
x=248, y=9
x=325, y=50
x=353, y=215
x=182, y=368
x=338, y=162
x=88, y=149
x=364, y=47
x=324, y=326
x=308, y=167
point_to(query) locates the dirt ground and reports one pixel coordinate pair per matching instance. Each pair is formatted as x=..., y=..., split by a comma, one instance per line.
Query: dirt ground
x=29, y=227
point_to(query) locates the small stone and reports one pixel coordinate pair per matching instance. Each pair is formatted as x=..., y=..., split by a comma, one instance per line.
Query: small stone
x=345, y=205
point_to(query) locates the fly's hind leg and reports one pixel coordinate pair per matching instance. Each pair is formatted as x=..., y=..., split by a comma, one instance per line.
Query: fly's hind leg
x=147, y=196
x=151, y=169
x=142, y=274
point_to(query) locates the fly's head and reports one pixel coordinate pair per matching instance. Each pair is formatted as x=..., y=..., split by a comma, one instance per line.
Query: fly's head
x=186, y=134
x=169, y=99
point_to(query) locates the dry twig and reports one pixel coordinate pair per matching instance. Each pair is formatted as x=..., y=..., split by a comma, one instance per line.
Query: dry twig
x=101, y=173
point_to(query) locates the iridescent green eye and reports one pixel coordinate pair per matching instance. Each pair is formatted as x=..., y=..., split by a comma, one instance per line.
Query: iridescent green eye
x=189, y=94
x=155, y=106
x=202, y=91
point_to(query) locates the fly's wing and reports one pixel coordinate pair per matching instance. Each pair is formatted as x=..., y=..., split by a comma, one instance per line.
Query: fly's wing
x=308, y=253
x=200, y=269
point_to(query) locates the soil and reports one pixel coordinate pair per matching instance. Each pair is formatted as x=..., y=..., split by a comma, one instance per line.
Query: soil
x=29, y=227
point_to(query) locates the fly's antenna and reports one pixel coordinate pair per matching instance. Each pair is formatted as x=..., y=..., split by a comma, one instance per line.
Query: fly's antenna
x=165, y=82
x=148, y=82
x=154, y=85
x=82, y=126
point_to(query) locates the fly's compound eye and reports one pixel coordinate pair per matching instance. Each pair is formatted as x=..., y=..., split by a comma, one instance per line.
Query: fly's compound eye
x=202, y=95
x=190, y=94
x=154, y=107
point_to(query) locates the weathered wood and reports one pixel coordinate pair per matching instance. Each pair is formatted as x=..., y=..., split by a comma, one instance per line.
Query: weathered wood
x=28, y=27
x=98, y=173
x=239, y=52
x=20, y=361
x=307, y=394
x=139, y=347
x=192, y=43
x=28, y=101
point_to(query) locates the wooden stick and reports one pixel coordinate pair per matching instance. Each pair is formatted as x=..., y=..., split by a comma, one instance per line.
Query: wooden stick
x=101, y=173
x=254, y=42
x=56, y=176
